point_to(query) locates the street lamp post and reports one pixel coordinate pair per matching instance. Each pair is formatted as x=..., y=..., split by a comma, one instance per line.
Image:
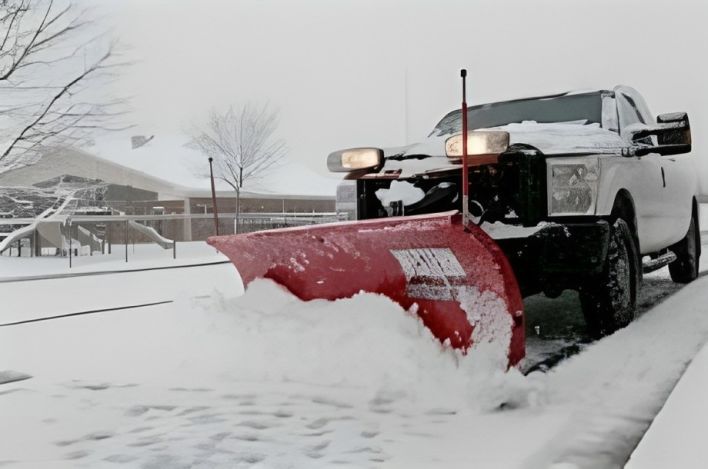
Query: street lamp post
x=213, y=197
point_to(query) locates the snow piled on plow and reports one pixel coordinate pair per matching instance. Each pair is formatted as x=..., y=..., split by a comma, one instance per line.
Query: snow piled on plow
x=262, y=380
x=366, y=342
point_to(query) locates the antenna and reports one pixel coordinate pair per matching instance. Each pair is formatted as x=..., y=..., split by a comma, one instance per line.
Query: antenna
x=466, y=218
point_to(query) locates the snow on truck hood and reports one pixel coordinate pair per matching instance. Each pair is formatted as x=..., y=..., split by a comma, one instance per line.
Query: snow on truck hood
x=563, y=138
x=553, y=138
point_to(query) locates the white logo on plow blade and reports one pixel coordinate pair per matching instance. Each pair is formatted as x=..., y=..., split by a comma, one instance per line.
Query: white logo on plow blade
x=431, y=273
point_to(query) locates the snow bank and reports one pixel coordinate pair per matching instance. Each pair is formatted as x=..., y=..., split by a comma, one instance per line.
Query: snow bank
x=676, y=438
x=367, y=342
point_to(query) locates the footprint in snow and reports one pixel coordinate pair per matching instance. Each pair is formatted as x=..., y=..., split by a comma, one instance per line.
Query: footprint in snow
x=138, y=410
x=323, y=421
x=282, y=414
x=239, y=396
x=145, y=441
x=317, y=434
x=120, y=458
x=77, y=454
x=440, y=411
x=140, y=429
x=257, y=425
x=317, y=424
x=100, y=435
x=320, y=446
x=248, y=437
x=250, y=458
x=191, y=410
x=181, y=389
x=331, y=403
x=206, y=419
x=221, y=436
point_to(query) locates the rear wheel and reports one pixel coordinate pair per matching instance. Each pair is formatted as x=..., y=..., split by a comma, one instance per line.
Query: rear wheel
x=609, y=300
x=685, y=268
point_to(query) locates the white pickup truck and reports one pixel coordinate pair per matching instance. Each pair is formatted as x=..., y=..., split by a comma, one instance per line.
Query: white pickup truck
x=589, y=191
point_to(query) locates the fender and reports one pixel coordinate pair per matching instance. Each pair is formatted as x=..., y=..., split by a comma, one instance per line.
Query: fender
x=659, y=190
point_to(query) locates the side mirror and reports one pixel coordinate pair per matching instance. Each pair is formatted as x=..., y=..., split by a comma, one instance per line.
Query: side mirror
x=673, y=135
x=675, y=129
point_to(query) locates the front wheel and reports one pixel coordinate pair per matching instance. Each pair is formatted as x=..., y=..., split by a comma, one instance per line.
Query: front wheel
x=685, y=268
x=609, y=300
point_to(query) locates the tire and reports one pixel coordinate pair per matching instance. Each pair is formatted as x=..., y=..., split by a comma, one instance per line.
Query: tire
x=609, y=300
x=685, y=268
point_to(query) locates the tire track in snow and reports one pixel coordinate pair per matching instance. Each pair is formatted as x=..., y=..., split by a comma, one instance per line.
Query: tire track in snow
x=83, y=313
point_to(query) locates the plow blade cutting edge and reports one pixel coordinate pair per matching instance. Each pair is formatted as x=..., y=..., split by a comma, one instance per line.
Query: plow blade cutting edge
x=460, y=280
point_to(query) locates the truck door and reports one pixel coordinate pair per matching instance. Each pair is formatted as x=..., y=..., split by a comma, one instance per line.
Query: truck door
x=664, y=205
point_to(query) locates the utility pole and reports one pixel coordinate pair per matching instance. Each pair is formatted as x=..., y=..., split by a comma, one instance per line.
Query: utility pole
x=238, y=199
x=213, y=199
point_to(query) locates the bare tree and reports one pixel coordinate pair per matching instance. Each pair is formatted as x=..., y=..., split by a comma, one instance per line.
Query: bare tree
x=243, y=145
x=47, y=63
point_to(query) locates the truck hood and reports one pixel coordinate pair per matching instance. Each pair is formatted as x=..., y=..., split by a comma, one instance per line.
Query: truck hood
x=564, y=138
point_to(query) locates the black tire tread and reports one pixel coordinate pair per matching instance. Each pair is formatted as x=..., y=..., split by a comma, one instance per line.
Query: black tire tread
x=596, y=296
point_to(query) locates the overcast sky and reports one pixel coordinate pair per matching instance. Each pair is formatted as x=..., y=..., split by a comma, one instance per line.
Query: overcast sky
x=337, y=70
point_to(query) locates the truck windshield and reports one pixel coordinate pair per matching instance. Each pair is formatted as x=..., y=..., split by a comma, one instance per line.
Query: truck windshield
x=583, y=108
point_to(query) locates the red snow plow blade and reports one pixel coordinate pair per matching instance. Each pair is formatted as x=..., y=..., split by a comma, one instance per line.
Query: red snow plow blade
x=461, y=281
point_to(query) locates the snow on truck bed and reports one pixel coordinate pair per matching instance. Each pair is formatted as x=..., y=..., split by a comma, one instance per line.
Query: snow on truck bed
x=265, y=380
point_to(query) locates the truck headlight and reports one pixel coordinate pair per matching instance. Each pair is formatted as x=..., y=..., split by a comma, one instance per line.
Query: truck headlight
x=355, y=159
x=479, y=143
x=572, y=185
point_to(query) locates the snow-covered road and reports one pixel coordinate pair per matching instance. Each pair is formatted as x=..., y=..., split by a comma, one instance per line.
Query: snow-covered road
x=264, y=380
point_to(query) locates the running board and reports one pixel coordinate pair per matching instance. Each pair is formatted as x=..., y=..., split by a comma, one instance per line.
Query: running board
x=661, y=261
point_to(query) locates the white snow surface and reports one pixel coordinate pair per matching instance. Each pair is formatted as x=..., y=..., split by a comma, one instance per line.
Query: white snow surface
x=563, y=137
x=266, y=380
x=676, y=437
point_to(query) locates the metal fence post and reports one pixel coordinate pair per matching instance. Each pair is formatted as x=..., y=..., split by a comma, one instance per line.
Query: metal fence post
x=174, y=249
x=68, y=230
x=126, y=240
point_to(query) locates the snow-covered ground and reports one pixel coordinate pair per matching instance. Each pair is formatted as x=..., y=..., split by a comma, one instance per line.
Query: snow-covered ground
x=676, y=437
x=140, y=256
x=264, y=380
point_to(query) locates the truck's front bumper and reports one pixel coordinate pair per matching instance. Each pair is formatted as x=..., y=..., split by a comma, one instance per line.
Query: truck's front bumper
x=557, y=256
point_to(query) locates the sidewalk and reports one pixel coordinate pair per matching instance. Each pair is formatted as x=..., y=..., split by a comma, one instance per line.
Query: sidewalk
x=676, y=437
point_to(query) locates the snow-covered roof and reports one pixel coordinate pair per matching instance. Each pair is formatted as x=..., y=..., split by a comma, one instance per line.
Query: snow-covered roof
x=172, y=159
